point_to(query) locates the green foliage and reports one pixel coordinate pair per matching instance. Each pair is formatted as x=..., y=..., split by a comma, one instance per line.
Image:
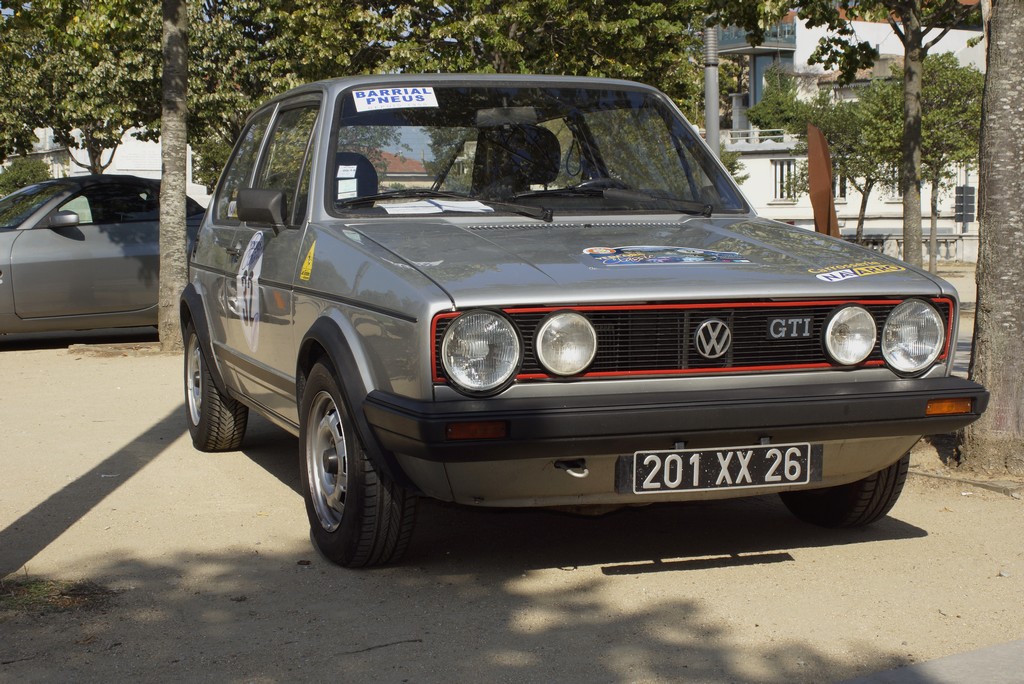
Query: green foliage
x=76, y=66
x=20, y=172
x=657, y=42
x=731, y=162
x=919, y=24
x=951, y=122
x=781, y=107
x=243, y=52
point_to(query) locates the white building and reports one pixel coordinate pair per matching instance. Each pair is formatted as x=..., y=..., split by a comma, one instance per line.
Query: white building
x=769, y=161
x=133, y=157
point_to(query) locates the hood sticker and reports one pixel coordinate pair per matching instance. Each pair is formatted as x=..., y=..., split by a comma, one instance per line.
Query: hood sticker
x=860, y=269
x=640, y=255
x=393, y=98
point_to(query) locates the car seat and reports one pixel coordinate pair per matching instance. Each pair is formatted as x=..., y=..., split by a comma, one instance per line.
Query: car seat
x=512, y=158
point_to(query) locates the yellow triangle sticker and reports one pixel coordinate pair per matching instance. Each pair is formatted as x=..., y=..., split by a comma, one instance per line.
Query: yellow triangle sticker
x=307, y=265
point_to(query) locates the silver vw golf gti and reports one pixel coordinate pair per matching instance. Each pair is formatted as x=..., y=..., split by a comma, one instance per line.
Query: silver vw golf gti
x=544, y=291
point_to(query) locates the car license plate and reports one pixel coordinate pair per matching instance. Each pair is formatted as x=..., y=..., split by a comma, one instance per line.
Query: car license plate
x=763, y=465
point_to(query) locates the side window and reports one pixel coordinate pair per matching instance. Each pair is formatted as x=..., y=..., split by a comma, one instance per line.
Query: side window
x=115, y=203
x=286, y=157
x=80, y=205
x=239, y=170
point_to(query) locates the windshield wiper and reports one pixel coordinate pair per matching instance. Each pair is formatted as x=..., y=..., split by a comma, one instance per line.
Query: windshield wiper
x=685, y=206
x=540, y=213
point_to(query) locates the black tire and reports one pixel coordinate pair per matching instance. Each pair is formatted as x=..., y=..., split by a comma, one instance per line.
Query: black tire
x=851, y=505
x=357, y=516
x=215, y=421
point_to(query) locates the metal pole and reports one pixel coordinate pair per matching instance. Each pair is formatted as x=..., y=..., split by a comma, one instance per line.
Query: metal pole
x=711, y=112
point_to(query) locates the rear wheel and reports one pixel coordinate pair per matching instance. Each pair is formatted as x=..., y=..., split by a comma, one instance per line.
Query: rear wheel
x=357, y=516
x=851, y=505
x=215, y=421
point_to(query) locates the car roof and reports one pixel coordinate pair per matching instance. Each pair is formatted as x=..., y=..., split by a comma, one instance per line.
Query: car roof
x=99, y=179
x=336, y=85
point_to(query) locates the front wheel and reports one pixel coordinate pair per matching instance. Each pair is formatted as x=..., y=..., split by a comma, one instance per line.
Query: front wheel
x=357, y=516
x=216, y=422
x=851, y=505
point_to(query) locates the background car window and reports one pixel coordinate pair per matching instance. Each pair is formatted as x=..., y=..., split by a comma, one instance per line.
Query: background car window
x=115, y=203
x=239, y=171
x=285, y=158
x=79, y=205
x=21, y=204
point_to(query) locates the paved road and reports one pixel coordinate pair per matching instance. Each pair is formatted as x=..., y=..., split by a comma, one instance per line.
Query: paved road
x=214, y=578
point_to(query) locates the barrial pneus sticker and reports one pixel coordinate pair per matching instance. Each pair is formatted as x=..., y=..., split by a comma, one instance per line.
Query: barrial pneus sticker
x=247, y=284
x=375, y=99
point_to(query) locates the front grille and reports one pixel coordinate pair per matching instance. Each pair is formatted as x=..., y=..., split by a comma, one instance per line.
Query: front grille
x=658, y=340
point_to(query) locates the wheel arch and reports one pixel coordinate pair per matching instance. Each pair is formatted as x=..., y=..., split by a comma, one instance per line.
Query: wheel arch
x=327, y=341
x=191, y=309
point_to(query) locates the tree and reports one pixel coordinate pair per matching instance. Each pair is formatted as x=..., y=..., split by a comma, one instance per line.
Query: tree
x=657, y=42
x=173, y=179
x=919, y=24
x=863, y=146
x=733, y=164
x=950, y=128
x=20, y=172
x=81, y=69
x=855, y=131
x=243, y=53
x=995, y=443
x=781, y=106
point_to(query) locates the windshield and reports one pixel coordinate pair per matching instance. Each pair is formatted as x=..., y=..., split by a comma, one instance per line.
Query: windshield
x=21, y=204
x=562, y=148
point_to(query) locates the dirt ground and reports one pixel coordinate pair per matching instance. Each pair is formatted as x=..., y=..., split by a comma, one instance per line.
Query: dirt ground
x=198, y=567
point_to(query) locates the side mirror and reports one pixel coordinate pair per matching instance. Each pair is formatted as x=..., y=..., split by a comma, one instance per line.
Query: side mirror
x=62, y=219
x=261, y=207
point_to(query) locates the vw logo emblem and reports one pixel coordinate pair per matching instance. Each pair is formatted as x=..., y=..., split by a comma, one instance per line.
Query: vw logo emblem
x=712, y=338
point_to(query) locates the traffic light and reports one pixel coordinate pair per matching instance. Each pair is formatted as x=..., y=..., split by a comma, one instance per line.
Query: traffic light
x=964, y=205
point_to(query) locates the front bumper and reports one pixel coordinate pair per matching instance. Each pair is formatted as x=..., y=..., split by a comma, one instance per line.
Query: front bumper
x=624, y=423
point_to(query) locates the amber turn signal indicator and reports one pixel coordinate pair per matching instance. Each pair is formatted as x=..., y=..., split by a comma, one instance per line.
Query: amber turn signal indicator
x=948, y=407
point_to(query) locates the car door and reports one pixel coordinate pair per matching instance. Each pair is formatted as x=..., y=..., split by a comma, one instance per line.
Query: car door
x=262, y=332
x=215, y=260
x=106, y=264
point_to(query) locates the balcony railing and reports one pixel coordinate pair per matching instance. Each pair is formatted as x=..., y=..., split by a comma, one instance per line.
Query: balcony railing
x=778, y=37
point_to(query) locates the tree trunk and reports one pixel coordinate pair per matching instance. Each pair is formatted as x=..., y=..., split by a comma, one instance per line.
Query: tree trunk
x=910, y=166
x=173, y=154
x=864, y=195
x=995, y=443
x=933, y=237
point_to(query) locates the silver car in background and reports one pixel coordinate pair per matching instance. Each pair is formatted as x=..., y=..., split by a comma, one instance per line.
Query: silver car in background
x=544, y=291
x=82, y=253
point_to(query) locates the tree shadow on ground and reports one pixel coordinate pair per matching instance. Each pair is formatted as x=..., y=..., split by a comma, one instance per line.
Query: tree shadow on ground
x=267, y=618
x=483, y=595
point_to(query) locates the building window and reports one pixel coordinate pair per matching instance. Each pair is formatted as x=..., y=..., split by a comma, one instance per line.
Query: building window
x=784, y=172
x=839, y=186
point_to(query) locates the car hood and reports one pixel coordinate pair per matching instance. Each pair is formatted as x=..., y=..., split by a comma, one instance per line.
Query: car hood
x=532, y=262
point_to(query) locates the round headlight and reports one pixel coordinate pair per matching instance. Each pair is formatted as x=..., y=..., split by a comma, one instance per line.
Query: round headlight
x=566, y=343
x=480, y=351
x=850, y=335
x=913, y=336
